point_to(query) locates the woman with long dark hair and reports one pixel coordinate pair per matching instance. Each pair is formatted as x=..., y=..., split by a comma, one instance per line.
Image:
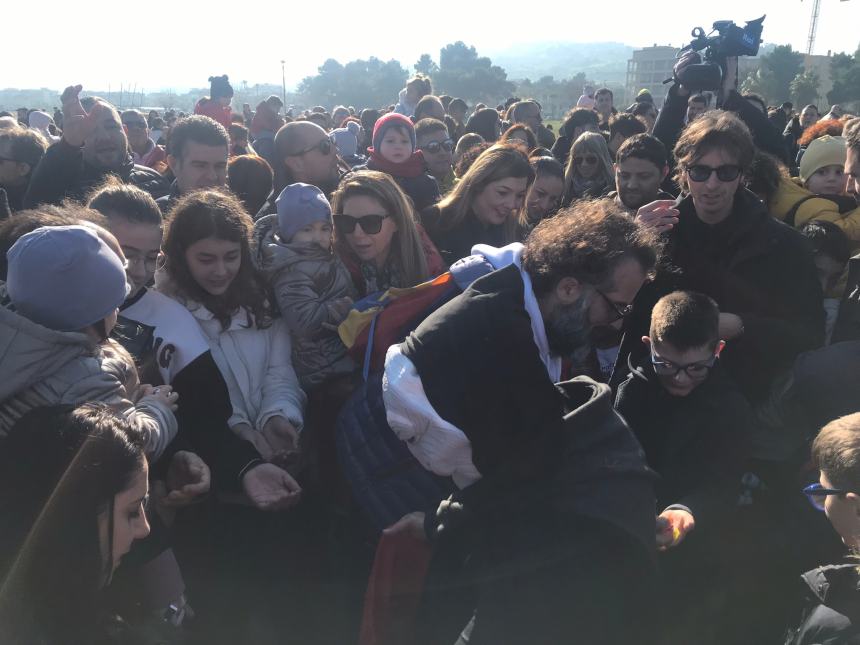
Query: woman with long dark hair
x=73, y=487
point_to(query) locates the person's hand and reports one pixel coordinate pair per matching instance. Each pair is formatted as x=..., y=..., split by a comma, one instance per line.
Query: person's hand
x=283, y=440
x=661, y=215
x=340, y=307
x=411, y=524
x=78, y=125
x=163, y=393
x=271, y=488
x=672, y=527
x=188, y=478
x=688, y=58
x=731, y=326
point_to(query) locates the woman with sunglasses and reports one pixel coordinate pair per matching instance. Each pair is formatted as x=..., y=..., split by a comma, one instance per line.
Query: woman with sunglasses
x=377, y=237
x=589, y=169
x=484, y=206
x=721, y=241
x=833, y=592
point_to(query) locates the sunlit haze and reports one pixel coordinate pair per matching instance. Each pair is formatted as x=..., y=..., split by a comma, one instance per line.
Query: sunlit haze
x=177, y=45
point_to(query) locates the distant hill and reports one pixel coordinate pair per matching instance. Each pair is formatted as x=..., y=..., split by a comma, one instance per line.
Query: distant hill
x=598, y=61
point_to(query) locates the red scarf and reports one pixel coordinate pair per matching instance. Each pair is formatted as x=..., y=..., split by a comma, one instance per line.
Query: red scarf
x=412, y=167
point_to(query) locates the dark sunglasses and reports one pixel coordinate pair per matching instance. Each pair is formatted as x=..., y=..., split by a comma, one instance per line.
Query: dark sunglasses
x=370, y=224
x=816, y=494
x=325, y=147
x=435, y=146
x=696, y=371
x=620, y=312
x=703, y=173
x=588, y=160
x=135, y=125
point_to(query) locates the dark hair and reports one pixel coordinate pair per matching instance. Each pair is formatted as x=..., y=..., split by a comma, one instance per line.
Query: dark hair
x=218, y=214
x=250, y=178
x=428, y=125
x=114, y=199
x=470, y=155
x=484, y=122
x=604, y=90
x=25, y=145
x=643, y=146
x=579, y=118
x=713, y=130
x=787, y=104
x=423, y=104
x=508, y=135
x=586, y=241
x=238, y=131
x=446, y=100
x=704, y=99
x=457, y=104
x=642, y=108
x=626, y=125
x=836, y=452
x=515, y=111
x=547, y=166
x=755, y=98
x=60, y=469
x=685, y=320
x=199, y=129
x=828, y=239
x=540, y=152
x=765, y=175
x=28, y=221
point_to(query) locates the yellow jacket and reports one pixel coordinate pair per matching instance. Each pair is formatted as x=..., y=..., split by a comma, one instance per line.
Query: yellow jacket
x=790, y=192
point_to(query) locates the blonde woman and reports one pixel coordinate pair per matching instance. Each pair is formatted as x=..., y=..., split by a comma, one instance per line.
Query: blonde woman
x=589, y=169
x=484, y=206
x=377, y=235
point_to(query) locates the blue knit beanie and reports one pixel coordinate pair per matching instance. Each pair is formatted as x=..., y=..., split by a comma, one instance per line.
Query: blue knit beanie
x=346, y=139
x=65, y=277
x=299, y=205
x=390, y=120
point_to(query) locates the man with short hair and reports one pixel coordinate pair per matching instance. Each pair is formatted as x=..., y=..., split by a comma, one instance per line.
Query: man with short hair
x=144, y=150
x=528, y=112
x=621, y=128
x=93, y=146
x=20, y=152
x=457, y=109
x=603, y=105
x=809, y=116
x=197, y=151
x=697, y=104
x=433, y=140
x=640, y=168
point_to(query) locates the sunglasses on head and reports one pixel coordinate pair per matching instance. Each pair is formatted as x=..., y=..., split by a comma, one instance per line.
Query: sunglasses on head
x=435, y=146
x=588, y=160
x=370, y=224
x=325, y=147
x=700, y=173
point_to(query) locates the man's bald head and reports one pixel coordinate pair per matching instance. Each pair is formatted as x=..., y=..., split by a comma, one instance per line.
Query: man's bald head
x=297, y=136
x=306, y=154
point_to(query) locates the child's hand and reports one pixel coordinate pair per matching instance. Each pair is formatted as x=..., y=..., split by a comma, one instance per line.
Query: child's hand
x=163, y=393
x=672, y=527
x=340, y=308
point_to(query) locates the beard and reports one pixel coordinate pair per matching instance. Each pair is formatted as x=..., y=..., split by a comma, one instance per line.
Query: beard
x=568, y=332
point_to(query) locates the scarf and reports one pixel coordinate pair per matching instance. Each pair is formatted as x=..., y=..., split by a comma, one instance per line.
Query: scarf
x=412, y=167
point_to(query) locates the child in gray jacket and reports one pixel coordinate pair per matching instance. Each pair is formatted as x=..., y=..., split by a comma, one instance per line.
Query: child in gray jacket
x=312, y=287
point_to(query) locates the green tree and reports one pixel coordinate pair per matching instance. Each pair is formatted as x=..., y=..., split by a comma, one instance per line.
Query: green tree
x=804, y=88
x=464, y=74
x=845, y=73
x=780, y=67
x=426, y=66
x=362, y=83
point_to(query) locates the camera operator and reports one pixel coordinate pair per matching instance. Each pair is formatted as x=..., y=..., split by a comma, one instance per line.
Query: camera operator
x=670, y=121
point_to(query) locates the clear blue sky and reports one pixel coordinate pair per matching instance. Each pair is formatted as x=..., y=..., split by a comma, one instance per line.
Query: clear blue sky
x=180, y=44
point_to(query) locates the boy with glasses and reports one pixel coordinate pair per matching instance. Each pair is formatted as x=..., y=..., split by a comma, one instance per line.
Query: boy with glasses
x=833, y=592
x=693, y=424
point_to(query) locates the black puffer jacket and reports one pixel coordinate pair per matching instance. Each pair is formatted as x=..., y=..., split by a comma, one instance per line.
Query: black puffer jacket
x=832, y=614
x=62, y=173
x=752, y=266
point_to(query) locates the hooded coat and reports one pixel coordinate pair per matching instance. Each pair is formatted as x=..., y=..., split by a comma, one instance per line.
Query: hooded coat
x=307, y=281
x=41, y=367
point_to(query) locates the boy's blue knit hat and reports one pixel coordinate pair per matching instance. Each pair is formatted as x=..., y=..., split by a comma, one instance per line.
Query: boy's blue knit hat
x=65, y=277
x=299, y=205
x=392, y=120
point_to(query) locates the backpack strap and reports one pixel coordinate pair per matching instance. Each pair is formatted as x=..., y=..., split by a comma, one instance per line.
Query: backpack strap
x=792, y=213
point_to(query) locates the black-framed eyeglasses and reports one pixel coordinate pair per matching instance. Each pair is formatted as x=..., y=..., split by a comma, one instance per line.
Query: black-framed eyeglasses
x=370, y=224
x=325, y=146
x=620, y=311
x=699, y=173
x=816, y=494
x=435, y=146
x=697, y=371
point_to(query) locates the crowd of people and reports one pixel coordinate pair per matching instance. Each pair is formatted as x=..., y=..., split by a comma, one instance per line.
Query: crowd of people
x=429, y=372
